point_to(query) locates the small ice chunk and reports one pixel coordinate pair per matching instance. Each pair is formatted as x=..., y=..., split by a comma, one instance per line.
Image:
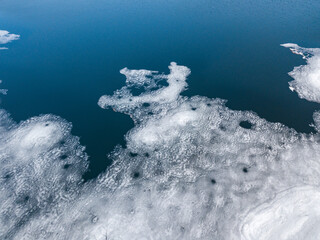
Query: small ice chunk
x=6, y=37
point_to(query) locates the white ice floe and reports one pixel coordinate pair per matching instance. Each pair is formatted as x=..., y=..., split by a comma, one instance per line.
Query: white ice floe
x=6, y=37
x=191, y=169
x=306, y=77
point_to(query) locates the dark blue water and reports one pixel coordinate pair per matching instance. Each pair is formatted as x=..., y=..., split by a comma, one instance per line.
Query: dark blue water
x=70, y=54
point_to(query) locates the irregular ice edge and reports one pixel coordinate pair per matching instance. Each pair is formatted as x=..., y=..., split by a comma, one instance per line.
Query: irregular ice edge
x=306, y=77
x=199, y=132
x=176, y=84
x=7, y=37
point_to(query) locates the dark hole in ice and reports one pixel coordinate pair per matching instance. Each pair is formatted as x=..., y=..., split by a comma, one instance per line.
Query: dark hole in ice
x=133, y=154
x=194, y=108
x=94, y=219
x=222, y=128
x=147, y=155
x=213, y=181
x=23, y=199
x=47, y=124
x=245, y=124
x=66, y=166
x=150, y=113
x=159, y=172
x=209, y=104
x=63, y=157
x=7, y=176
x=146, y=104
x=269, y=148
x=62, y=142
x=163, y=83
x=136, y=175
x=136, y=91
x=245, y=170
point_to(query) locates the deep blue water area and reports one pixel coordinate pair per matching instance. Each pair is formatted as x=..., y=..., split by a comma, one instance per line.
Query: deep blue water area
x=70, y=54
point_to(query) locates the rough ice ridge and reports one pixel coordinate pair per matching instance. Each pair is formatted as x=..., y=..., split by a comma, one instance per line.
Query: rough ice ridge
x=192, y=169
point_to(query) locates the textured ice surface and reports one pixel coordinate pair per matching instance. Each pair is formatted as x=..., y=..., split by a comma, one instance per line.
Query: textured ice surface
x=6, y=37
x=293, y=214
x=34, y=176
x=306, y=77
x=192, y=169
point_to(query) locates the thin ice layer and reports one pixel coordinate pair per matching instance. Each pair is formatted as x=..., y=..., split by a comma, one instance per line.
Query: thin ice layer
x=306, y=77
x=192, y=169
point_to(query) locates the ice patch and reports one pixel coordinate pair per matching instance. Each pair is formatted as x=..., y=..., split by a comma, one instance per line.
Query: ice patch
x=41, y=166
x=306, y=77
x=192, y=169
